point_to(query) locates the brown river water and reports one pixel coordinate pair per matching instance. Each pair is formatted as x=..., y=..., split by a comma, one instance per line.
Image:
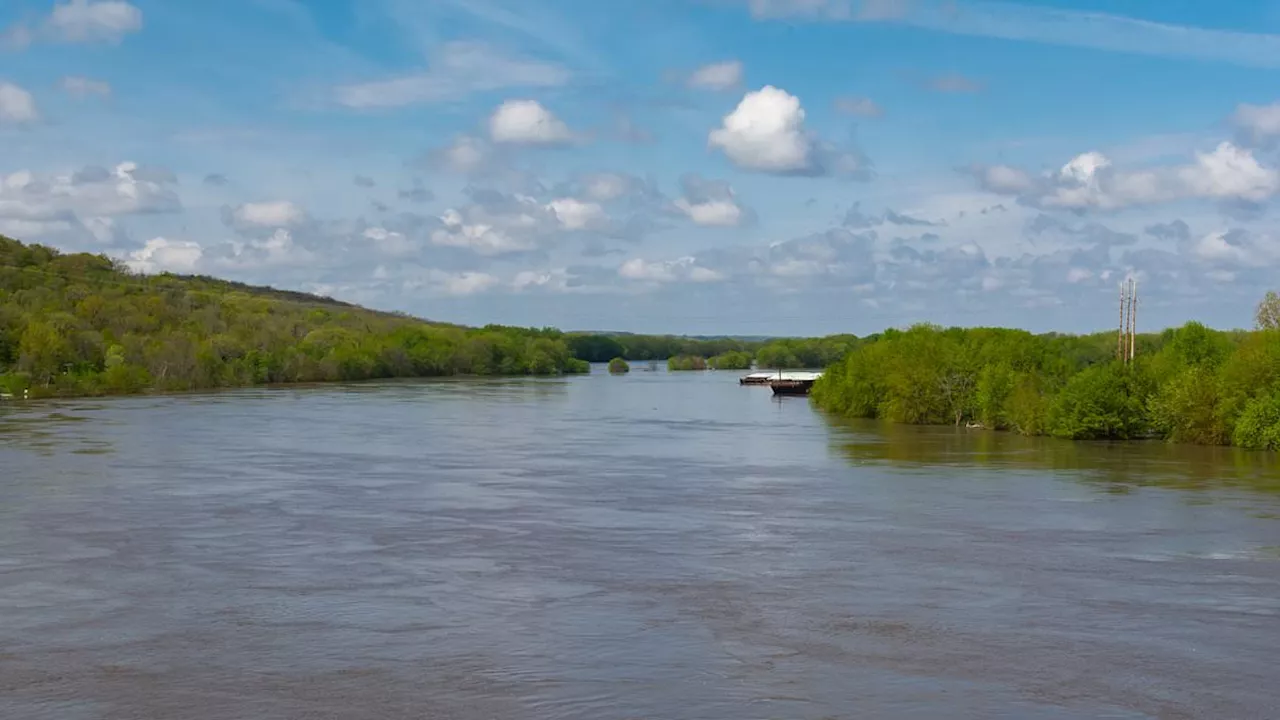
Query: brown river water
x=649, y=546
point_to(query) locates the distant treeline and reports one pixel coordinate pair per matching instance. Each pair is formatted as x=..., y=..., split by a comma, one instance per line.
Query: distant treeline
x=1190, y=384
x=720, y=353
x=82, y=325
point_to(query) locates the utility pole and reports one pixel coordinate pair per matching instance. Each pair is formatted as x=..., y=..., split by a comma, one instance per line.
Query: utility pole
x=1133, y=320
x=1120, y=328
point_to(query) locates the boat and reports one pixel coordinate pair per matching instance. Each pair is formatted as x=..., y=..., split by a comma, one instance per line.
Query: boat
x=794, y=383
x=758, y=378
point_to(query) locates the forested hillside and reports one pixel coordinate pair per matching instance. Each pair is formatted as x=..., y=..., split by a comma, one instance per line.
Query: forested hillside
x=80, y=324
x=1190, y=384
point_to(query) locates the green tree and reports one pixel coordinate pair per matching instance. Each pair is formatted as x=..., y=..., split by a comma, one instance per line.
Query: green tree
x=618, y=366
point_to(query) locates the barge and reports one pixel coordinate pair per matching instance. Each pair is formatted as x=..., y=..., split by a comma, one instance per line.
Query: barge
x=794, y=383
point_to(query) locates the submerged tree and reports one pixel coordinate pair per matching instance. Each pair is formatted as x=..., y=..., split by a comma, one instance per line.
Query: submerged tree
x=618, y=366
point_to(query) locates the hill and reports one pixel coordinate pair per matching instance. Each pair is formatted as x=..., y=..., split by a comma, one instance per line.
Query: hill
x=77, y=324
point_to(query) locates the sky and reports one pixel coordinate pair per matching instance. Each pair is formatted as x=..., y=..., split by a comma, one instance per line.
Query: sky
x=745, y=167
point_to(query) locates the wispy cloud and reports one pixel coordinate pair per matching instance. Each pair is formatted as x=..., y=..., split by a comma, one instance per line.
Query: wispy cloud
x=1053, y=26
x=457, y=70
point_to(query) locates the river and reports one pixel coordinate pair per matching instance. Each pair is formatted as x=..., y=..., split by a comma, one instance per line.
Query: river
x=653, y=545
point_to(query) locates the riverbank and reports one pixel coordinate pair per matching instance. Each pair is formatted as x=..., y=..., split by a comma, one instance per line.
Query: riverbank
x=1186, y=385
x=81, y=325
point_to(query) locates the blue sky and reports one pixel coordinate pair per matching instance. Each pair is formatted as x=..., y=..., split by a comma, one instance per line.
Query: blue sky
x=697, y=166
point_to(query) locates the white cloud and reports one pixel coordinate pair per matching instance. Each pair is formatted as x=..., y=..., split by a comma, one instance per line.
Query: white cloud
x=719, y=76
x=479, y=237
x=1229, y=172
x=1221, y=246
x=667, y=271
x=575, y=214
x=527, y=122
x=83, y=87
x=710, y=203
x=467, y=283
x=555, y=279
x=280, y=249
x=720, y=213
x=459, y=69
x=1091, y=181
x=766, y=132
x=277, y=213
x=389, y=242
x=859, y=107
x=160, y=254
x=1003, y=179
x=90, y=192
x=17, y=105
x=94, y=20
x=1259, y=122
x=458, y=284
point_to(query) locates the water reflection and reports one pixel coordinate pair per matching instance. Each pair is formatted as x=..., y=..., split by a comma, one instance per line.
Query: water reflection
x=1117, y=466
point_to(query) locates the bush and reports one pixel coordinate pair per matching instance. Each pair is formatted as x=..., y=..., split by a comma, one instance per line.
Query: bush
x=618, y=365
x=686, y=362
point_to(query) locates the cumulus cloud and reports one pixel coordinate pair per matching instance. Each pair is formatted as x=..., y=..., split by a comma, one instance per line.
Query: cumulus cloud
x=1002, y=179
x=710, y=203
x=93, y=191
x=859, y=107
x=766, y=133
x=17, y=106
x=272, y=214
x=575, y=214
x=1091, y=181
x=495, y=225
x=457, y=70
x=161, y=254
x=667, y=271
x=527, y=122
x=94, y=20
x=363, y=181
x=216, y=180
x=719, y=76
x=80, y=87
x=1258, y=124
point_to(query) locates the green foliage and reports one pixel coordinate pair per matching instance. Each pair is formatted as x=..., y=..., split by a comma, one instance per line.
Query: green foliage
x=618, y=365
x=731, y=361
x=686, y=362
x=80, y=325
x=595, y=348
x=1189, y=384
x=1103, y=401
x=1259, y=424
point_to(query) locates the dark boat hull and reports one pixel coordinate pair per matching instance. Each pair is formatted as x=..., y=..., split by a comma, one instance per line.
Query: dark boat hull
x=791, y=387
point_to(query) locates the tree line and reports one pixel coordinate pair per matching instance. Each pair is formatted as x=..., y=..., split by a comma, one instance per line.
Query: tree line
x=81, y=324
x=1189, y=384
x=685, y=353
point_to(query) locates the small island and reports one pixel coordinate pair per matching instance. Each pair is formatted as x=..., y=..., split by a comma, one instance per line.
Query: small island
x=618, y=366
